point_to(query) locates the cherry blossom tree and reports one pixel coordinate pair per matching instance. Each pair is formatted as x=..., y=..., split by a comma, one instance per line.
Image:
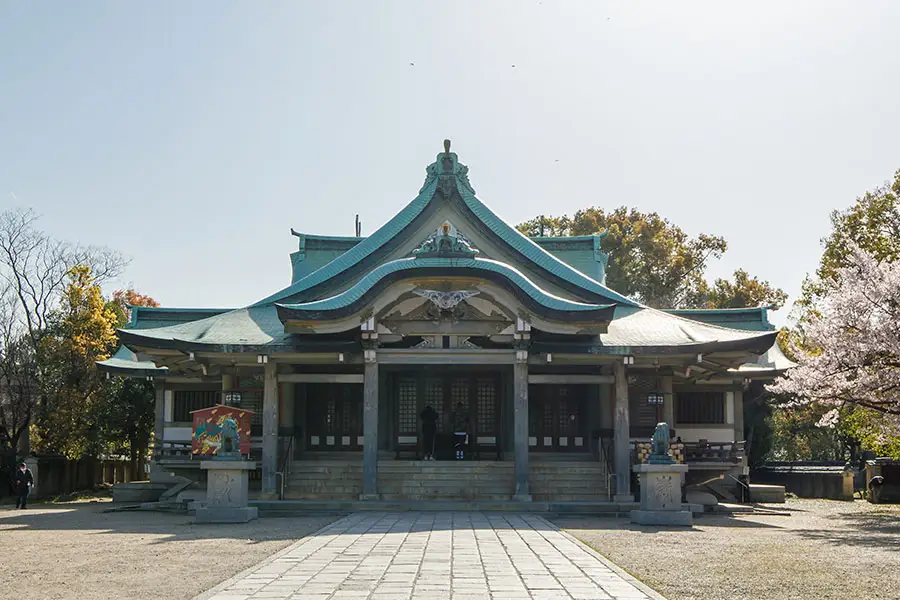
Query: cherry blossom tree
x=850, y=357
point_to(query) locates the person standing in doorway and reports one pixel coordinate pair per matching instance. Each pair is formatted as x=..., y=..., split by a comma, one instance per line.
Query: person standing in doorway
x=460, y=430
x=24, y=482
x=429, y=418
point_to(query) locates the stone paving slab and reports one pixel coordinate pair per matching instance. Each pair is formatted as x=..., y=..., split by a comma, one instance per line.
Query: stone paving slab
x=435, y=556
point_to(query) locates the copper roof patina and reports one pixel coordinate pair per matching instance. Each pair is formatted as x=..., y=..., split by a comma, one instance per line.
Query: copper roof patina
x=353, y=275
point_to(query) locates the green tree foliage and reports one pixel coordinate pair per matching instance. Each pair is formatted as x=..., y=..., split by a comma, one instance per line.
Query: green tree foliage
x=798, y=434
x=81, y=332
x=742, y=292
x=872, y=225
x=124, y=416
x=127, y=411
x=34, y=271
x=123, y=300
x=656, y=262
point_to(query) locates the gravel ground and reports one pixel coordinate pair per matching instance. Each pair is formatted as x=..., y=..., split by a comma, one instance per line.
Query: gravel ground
x=816, y=549
x=74, y=550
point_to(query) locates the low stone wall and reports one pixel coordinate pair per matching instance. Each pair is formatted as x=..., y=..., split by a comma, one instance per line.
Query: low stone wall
x=808, y=480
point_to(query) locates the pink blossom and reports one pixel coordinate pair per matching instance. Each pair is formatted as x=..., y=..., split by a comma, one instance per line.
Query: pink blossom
x=851, y=352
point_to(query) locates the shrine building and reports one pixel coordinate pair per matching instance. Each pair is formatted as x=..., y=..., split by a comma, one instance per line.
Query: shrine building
x=447, y=305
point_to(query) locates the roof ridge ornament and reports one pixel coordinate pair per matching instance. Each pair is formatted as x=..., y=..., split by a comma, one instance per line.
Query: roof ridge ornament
x=449, y=173
x=446, y=242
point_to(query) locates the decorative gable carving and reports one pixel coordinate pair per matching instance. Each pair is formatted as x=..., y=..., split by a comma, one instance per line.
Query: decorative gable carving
x=446, y=242
x=446, y=300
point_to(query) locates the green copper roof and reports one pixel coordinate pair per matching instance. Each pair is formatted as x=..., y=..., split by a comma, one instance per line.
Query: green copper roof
x=370, y=244
x=316, y=251
x=126, y=362
x=773, y=361
x=252, y=326
x=148, y=317
x=753, y=319
x=633, y=327
x=446, y=174
x=448, y=265
x=534, y=252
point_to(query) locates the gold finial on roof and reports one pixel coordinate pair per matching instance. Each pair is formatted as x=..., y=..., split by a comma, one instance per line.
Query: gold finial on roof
x=446, y=146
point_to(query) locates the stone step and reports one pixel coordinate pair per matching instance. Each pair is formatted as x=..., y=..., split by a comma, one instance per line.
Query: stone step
x=301, y=507
x=568, y=497
x=320, y=483
x=475, y=479
x=324, y=468
x=427, y=496
x=318, y=475
x=319, y=497
x=565, y=468
x=569, y=488
x=481, y=480
x=448, y=490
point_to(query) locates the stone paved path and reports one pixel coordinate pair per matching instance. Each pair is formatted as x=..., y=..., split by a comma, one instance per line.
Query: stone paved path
x=434, y=556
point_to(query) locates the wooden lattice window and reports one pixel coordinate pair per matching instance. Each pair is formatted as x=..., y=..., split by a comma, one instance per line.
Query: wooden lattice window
x=548, y=416
x=251, y=394
x=330, y=414
x=563, y=413
x=459, y=392
x=186, y=401
x=434, y=397
x=700, y=408
x=568, y=408
x=350, y=409
x=486, y=397
x=408, y=414
x=253, y=400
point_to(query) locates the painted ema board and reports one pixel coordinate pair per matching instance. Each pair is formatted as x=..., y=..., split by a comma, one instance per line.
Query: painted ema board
x=207, y=429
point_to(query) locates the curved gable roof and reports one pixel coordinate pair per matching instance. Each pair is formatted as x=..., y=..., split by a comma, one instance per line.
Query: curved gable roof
x=386, y=273
x=452, y=177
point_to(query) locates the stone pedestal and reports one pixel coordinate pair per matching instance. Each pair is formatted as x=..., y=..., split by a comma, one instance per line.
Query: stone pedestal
x=661, y=495
x=227, y=492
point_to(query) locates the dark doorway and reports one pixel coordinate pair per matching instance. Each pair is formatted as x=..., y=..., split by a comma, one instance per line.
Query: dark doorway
x=334, y=416
x=557, y=418
x=444, y=389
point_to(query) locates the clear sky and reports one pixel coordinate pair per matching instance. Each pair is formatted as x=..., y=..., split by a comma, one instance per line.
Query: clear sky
x=192, y=135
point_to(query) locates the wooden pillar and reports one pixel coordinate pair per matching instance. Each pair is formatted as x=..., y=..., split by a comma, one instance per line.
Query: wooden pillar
x=159, y=423
x=520, y=425
x=270, y=430
x=370, y=427
x=621, y=435
x=668, y=401
x=739, y=415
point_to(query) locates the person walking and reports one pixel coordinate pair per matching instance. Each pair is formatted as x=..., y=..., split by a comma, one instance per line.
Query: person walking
x=429, y=418
x=24, y=482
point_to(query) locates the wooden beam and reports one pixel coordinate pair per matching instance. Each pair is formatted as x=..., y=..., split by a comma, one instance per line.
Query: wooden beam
x=412, y=356
x=564, y=378
x=321, y=378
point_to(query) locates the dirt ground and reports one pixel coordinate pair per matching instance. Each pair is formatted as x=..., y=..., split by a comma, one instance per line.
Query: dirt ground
x=74, y=550
x=816, y=549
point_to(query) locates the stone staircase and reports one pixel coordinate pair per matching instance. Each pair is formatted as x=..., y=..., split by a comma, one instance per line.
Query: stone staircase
x=564, y=479
x=325, y=478
x=446, y=480
x=340, y=478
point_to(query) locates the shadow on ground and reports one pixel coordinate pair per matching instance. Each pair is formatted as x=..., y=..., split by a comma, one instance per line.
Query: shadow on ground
x=623, y=523
x=870, y=530
x=93, y=517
